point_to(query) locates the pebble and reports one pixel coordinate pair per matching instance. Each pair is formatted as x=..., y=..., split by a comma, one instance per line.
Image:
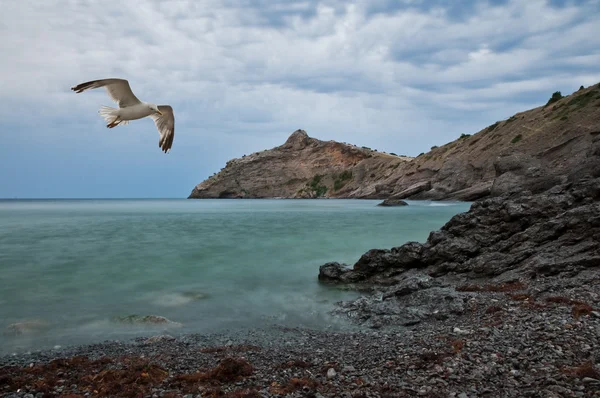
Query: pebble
x=590, y=380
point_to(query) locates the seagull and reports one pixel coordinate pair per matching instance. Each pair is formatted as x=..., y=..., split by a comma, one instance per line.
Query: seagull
x=131, y=108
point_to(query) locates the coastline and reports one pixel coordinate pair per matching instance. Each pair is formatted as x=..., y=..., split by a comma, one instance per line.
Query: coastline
x=500, y=347
x=520, y=325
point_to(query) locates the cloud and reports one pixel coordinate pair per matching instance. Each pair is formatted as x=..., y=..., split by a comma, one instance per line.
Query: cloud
x=399, y=76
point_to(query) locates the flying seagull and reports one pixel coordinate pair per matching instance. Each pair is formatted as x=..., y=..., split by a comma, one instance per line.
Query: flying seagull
x=131, y=108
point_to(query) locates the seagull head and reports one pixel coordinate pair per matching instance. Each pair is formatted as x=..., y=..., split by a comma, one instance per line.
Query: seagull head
x=155, y=109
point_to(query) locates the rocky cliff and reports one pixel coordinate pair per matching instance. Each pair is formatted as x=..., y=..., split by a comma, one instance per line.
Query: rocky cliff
x=528, y=245
x=303, y=167
x=535, y=149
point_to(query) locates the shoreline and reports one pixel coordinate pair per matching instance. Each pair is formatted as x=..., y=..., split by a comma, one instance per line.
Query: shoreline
x=500, y=346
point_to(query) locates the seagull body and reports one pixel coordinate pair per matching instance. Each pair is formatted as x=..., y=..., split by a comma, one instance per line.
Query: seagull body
x=131, y=108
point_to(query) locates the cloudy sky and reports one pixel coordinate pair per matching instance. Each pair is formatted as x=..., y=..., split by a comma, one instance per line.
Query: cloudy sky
x=395, y=75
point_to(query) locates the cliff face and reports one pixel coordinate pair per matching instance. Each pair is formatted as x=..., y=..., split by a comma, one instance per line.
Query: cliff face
x=303, y=167
x=532, y=150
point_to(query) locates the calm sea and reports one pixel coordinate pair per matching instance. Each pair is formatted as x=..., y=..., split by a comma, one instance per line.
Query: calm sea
x=69, y=269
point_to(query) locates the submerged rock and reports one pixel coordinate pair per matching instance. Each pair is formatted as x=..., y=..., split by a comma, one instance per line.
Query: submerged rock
x=178, y=299
x=26, y=327
x=145, y=319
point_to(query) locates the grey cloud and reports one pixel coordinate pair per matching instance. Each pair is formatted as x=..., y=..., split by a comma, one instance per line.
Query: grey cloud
x=355, y=71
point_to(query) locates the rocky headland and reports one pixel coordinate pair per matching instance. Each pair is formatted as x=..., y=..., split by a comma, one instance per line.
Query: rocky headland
x=537, y=148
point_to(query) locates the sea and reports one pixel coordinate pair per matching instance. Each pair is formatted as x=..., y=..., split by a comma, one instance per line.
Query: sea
x=78, y=272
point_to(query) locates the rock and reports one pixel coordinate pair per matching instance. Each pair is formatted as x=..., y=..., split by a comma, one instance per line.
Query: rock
x=471, y=193
x=589, y=380
x=145, y=320
x=331, y=373
x=393, y=203
x=26, y=327
x=303, y=167
x=336, y=272
x=509, y=238
x=413, y=190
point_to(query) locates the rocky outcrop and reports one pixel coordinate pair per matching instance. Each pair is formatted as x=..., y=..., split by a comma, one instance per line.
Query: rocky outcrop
x=303, y=167
x=507, y=242
x=393, y=203
x=536, y=149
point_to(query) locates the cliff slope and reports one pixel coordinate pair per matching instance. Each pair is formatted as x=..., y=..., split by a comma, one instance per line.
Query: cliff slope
x=303, y=167
x=535, y=149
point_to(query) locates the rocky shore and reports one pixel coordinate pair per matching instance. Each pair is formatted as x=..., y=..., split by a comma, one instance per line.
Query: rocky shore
x=501, y=345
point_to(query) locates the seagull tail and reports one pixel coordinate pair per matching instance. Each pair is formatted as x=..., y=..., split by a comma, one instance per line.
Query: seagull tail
x=109, y=114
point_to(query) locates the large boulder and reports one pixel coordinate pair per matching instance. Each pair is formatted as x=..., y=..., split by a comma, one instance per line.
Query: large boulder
x=393, y=203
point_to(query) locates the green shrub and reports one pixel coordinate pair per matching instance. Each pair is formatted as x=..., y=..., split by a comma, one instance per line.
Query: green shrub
x=556, y=96
x=582, y=100
x=564, y=118
x=434, y=147
x=492, y=127
x=315, y=186
x=464, y=136
x=511, y=119
x=392, y=153
x=516, y=139
x=342, y=179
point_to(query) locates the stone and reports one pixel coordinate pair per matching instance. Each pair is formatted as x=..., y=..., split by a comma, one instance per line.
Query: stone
x=393, y=203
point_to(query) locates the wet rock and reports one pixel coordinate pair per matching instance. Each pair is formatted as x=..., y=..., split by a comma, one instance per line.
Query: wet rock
x=26, y=327
x=145, y=320
x=393, y=203
x=555, y=233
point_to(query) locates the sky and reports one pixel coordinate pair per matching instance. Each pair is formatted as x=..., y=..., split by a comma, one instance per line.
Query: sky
x=242, y=75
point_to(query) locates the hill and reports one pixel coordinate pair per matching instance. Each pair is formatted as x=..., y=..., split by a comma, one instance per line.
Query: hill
x=535, y=149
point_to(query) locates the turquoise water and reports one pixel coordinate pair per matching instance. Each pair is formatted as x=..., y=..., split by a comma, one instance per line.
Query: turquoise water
x=68, y=267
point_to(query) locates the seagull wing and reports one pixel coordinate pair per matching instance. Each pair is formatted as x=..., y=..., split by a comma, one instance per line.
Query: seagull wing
x=166, y=127
x=118, y=90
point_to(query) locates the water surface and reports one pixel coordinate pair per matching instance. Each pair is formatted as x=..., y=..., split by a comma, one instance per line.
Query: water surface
x=72, y=266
